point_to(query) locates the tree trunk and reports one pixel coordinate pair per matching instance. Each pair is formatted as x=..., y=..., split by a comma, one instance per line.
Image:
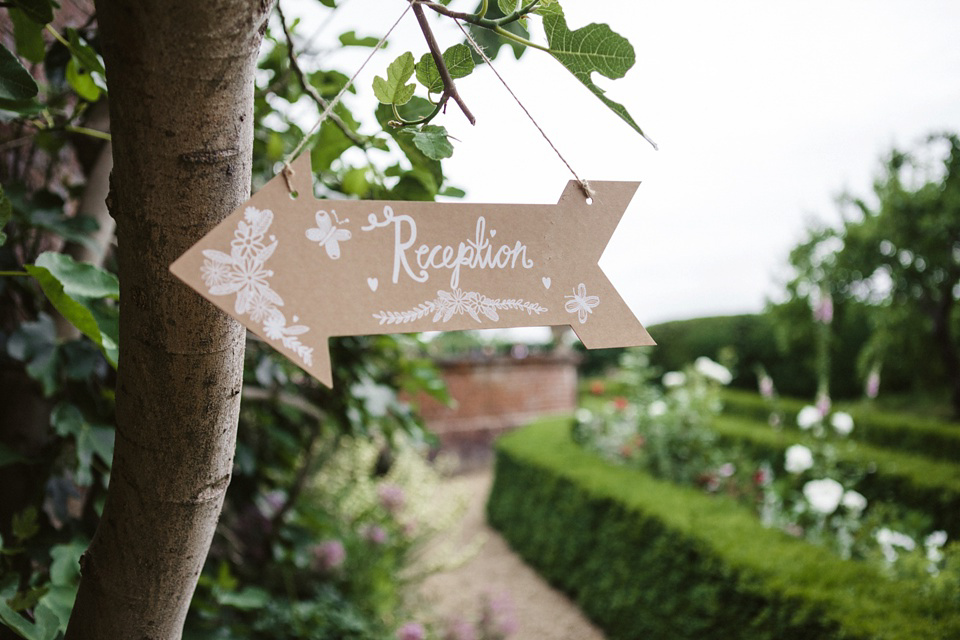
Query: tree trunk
x=941, y=312
x=180, y=75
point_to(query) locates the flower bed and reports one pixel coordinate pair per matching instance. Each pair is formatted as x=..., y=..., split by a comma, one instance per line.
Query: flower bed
x=647, y=558
x=933, y=438
x=905, y=478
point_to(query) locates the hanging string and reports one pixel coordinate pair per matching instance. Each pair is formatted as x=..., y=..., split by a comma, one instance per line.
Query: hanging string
x=584, y=185
x=287, y=170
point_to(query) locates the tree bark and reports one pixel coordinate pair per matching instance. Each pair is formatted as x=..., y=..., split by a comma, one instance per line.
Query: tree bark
x=942, y=335
x=180, y=75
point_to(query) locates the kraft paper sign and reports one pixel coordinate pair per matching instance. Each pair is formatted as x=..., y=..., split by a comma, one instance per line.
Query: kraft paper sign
x=297, y=271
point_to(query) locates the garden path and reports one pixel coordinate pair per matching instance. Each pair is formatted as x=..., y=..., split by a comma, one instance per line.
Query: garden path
x=541, y=612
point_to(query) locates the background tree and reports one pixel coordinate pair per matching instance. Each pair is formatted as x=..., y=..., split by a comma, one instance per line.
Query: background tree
x=892, y=269
x=902, y=255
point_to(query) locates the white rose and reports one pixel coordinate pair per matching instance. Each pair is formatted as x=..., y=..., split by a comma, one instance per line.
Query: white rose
x=936, y=539
x=674, y=379
x=713, y=370
x=889, y=538
x=842, y=423
x=823, y=495
x=855, y=501
x=808, y=417
x=798, y=459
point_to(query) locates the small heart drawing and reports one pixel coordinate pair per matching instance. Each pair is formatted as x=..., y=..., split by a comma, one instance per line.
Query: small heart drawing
x=373, y=283
x=546, y=282
x=493, y=232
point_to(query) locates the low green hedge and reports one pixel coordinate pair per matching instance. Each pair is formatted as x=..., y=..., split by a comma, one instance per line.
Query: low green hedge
x=648, y=559
x=932, y=486
x=903, y=431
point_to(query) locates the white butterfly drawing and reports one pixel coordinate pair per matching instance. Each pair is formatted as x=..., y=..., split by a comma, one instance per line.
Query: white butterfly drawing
x=327, y=234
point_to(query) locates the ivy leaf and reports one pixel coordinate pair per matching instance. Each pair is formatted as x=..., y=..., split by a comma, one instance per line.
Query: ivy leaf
x=77, y=290
x=6, y=212
x=458, y=61
x=351, y=39
x=16, y=83
x=432, y=140
x=395, y=90
x=40, y=11
x=593, y=48
x=26, y=35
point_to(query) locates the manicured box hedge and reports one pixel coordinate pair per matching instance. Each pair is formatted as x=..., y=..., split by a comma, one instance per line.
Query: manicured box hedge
x=648, y=559
x=934, y=438
x=932, y=486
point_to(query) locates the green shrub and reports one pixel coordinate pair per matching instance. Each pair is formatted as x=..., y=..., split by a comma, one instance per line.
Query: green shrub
x=648, y=559
x=906, y=432
x=783, y=348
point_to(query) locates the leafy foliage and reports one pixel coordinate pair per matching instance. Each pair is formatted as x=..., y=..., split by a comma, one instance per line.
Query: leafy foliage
x=895, y=260
x=458, y=61
x=595, y=48
x=80, y=293
x=16, y=83
x=394, y=89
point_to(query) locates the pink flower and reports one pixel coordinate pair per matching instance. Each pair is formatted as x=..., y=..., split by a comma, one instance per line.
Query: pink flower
x=459, y=629
x=823, y=312
x=823, y=404
x=392, y=497
x=766, y=386
x=497, y=618
x=375, y=534
x=329, y=555
x=412, y=631
x=873, y=383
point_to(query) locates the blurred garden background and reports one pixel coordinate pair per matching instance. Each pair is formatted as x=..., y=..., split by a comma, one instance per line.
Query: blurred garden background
x=788, y=470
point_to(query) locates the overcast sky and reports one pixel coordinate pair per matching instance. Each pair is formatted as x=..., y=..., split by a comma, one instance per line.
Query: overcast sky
x=764, y=112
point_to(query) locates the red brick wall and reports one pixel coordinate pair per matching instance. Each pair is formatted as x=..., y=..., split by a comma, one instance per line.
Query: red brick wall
x=493, y=395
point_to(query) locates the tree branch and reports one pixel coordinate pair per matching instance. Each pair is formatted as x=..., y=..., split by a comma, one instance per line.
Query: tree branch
x=311, y=90
x=478, y=19
x=449, y=88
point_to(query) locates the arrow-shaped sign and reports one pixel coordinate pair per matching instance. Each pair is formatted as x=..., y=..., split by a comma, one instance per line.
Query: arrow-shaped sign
x=298, y=270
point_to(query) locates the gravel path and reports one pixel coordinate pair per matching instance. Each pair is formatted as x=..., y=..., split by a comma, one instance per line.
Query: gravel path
x=541, y=612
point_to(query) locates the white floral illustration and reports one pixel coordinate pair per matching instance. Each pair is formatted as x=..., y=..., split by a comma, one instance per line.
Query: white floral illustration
x=459, y=302
x=580, y=303
x=243, y=272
